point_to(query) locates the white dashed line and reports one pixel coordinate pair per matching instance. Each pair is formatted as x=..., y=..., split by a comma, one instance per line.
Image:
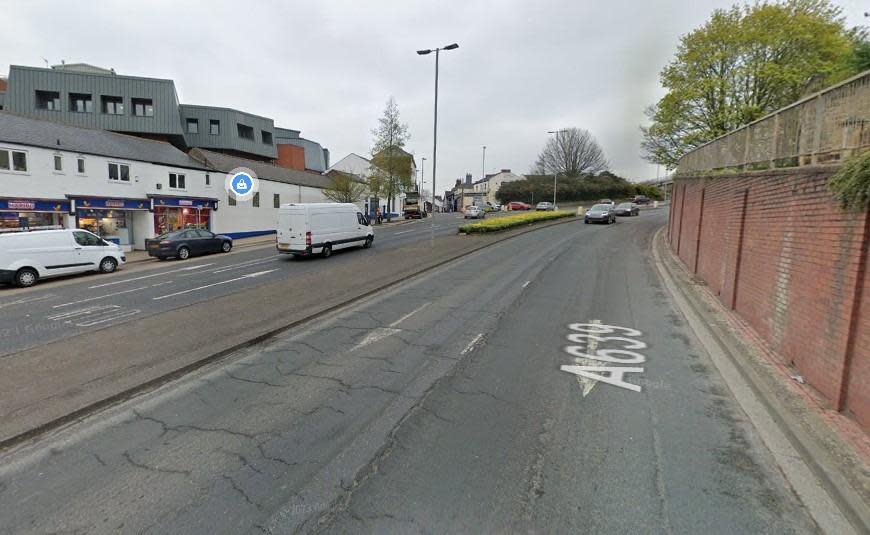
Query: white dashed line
x=472, y=343
x=99, y=297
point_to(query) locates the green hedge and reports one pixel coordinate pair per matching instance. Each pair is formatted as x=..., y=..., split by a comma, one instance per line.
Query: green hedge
x=851, y=184
x=496, y=224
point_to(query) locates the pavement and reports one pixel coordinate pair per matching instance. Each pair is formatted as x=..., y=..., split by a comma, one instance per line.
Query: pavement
x=545, y=383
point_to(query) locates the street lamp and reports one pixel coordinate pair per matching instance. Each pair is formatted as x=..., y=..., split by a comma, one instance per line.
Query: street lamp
x=483, y=164
x=555, y=169
x=453, y=46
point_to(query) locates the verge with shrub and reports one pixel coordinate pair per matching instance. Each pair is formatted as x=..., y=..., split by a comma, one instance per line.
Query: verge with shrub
x=496, y=224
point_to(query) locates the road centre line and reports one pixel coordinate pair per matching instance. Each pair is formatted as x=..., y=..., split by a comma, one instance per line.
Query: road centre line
x=248, y=263
x=248, y=276
x=526, y=283
x=99, y=297
x=189, y=268
x=409, y=314
x=404, y=232
x=471, y=344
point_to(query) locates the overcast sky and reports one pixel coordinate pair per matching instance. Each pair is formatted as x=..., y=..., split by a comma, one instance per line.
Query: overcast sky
x=327, y=67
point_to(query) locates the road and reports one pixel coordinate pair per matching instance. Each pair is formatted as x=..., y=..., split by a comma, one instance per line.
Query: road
x=71, y=306
x=450, y=403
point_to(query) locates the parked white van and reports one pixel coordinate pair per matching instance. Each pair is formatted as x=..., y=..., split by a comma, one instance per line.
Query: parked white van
x=25, y=257
x=308, y=228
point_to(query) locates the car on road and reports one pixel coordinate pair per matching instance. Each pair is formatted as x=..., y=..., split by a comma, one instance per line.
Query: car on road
x=494, y=206
x=26, y=257
x=600, y=213
x=627, y=209
x=474, y=212
x=182, y=244
x=545, y=206
x=640, y=199
x=322, y=227
x=607, y=202
x=517, y=205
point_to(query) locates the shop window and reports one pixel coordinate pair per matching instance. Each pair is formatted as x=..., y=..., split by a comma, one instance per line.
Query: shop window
x=113, y=105
x=257, y=200
x=276, y=200
x=58, y=162
x=143, y=107
x=214, y=127
x=81, y=103
x=48, y=100
x=192, y=126
x=231, y=201
x=176, y=181
x=119, y=172
x=80, y=166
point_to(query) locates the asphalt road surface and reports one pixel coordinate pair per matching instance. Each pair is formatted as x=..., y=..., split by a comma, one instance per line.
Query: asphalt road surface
x=462, y=401
x=70, y=306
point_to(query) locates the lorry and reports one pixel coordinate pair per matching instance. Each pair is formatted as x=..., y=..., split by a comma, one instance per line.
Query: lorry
x=413, y=208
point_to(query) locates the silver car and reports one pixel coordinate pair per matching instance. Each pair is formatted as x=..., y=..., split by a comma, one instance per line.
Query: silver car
x=474, y=212
x=600, y=213
x=545, y=206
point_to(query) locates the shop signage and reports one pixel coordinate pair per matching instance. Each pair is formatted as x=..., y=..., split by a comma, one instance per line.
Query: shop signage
x=23, y=205
x=111, y=203
x=126, y=204
x=175, y=201
x=184, y=202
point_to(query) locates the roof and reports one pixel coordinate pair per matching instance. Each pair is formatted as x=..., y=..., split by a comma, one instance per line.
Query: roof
x=59, y=136
x=351, y=176
x=264, y=170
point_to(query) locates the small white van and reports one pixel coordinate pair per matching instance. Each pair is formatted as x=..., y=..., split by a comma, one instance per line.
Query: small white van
x=309, y=228
x=26, y=257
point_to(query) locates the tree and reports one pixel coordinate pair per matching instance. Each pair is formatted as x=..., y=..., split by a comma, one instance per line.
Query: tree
x=344, y=187
x=571, y=152
x=743, y=63
x=391, y=169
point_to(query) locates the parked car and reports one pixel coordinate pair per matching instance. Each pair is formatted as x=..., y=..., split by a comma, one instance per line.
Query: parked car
x=474, y=212
x=517, y=205
x=26, y=257
x=627, y=209
x=309, y=228
x=640, y=199
x=600, y=213
x=494, y=205
x=545, y=206
x=182, y=244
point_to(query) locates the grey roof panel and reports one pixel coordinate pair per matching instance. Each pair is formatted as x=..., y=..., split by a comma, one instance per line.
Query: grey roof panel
x=264, y=170
x=58, y=136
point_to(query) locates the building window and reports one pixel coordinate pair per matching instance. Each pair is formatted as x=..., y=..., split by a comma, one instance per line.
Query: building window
x=119, y=172
x=113, y=105
x=267, y=137
x=207, y=179
x=245, y=131
x=214, y=127
x=48, y=100
x=80, y=163
x=257, y=200
x=276, y=200
x=58, y=162
x=18, y=160
x=81, y=103
x=143, y=107
x=193, y=126
x=176, y=181
x=231, y=200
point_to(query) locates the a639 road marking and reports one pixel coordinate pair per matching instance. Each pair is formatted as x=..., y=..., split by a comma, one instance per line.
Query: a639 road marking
x=587, y=340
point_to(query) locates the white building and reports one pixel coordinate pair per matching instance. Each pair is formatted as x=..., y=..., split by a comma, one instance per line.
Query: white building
x=490, y=185
x=127, y=188
x=362, y=167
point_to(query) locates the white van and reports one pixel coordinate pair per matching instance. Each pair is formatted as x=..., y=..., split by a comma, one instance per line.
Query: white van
x=308, y=228
x=25, y=257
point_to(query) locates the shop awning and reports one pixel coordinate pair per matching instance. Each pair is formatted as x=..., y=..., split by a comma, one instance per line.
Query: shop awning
x=33, y=205
x=111, y=203
x=184, y=202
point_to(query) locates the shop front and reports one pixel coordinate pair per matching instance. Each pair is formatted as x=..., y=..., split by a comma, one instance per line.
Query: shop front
x=32, y=214
x=174, y=213
x=110, y=218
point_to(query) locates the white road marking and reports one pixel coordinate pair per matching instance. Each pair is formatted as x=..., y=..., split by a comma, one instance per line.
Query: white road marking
x=589, y=370
x=161, y=284
x=409, y=314
x=189, y=268
x=81, y=312
x=249, y=263
x=587, y=383
x=378, y=334
x=472, y=343
x=27, y=300
x=110, y=317
x=99, y=297
x=404, y=232
x=526, y=283
x=248, y=276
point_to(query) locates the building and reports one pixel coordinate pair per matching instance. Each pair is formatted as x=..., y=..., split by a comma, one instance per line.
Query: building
x=490, y=184
x=126, y=188
x=463, y=195
x=362, y=167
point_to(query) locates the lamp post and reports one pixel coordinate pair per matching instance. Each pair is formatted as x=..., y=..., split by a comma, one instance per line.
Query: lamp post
x=424, y=52
x=483, y=164
x=555, y=169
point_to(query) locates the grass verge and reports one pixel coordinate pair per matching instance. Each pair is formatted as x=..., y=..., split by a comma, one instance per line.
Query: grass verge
x=511, y=221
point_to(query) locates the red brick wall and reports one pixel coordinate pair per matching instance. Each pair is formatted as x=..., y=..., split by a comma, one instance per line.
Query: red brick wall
x=777, y=249
x=291, y=156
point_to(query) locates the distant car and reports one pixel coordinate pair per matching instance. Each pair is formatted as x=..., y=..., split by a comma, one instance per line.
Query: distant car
x=600, y=213
x=183, y=244
x=628, y=209
x=545, y=206
x=495, y=206
x=517, y=205
x=640, y=199
x=607, y=202
x=474, y=212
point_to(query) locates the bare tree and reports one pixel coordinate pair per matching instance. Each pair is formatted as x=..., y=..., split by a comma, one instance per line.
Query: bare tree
x=571, y=152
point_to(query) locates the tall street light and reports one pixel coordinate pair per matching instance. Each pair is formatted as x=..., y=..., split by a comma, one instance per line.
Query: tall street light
x=437, y=51
x=483, y=164
x=555, y=169
x=422, y=180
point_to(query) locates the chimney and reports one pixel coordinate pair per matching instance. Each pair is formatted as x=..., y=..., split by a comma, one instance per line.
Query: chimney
x=468, y=178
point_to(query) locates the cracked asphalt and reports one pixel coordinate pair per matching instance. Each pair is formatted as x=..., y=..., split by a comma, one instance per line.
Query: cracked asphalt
x=438, y=406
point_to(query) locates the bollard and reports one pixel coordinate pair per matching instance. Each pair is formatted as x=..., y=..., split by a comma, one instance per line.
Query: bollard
x=580, y=211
